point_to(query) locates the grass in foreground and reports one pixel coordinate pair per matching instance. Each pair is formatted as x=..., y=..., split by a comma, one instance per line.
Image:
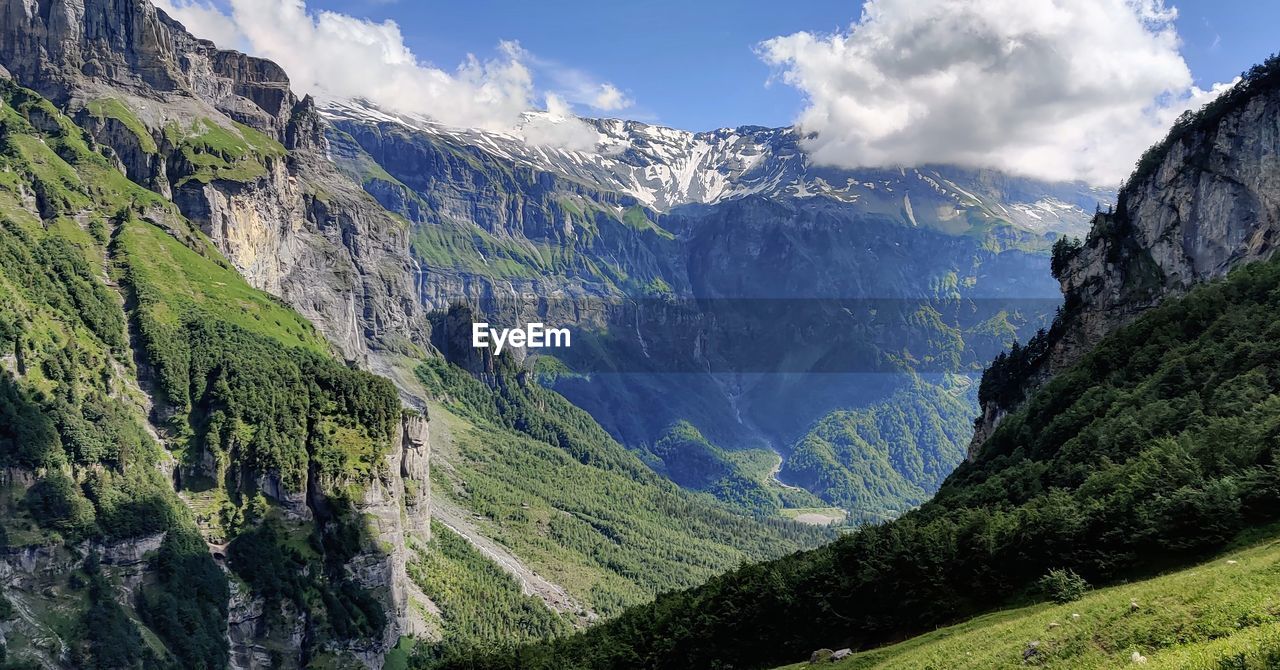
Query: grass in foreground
x=1220, y=615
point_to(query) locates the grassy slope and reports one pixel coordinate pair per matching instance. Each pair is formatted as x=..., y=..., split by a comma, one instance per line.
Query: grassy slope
x=586, y=514
x=1224, y=613
x=183, y=277
x=113, y=108
x=215, y=151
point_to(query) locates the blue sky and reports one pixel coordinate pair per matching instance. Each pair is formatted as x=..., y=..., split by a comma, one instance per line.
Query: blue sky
x=690, y=63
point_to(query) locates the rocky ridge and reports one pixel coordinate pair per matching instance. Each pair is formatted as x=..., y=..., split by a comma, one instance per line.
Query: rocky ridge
x=665, y=168
x=168, y=106
x=288, y=224
x=1200, y=204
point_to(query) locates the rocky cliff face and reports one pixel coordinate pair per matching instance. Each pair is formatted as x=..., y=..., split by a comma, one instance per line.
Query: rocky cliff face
x=1212, y=203
x=600, y=241
x=143, y=86
x=1201, y=203
x=223, y=137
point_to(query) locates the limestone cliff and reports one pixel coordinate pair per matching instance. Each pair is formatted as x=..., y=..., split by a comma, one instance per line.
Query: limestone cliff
x=149, y=90
x=223, y=137
x=1200, y=203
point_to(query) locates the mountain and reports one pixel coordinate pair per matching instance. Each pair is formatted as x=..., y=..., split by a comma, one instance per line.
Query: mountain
x=660, y=247
x=204, y=275
x=665, y=168
x=152, y=402
x=1148, y=450
x=172, y=109
x=1200, y=203
x=200, y=469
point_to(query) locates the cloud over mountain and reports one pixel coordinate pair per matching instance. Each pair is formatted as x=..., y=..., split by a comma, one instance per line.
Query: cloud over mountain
x=333, y=54
x=1057, y=89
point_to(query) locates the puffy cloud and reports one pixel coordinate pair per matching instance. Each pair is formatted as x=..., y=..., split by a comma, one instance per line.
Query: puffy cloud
x=610, y=99
x=333, y=54
x=1057, y=89
x=205, y=20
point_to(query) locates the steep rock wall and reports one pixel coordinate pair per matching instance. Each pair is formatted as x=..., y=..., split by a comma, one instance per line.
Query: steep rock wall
x=1204, y=202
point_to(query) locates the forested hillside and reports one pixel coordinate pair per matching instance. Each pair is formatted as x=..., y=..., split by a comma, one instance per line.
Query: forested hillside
x=545, y=480
x=122, y=329
x=881, y=461
x=1156, y=447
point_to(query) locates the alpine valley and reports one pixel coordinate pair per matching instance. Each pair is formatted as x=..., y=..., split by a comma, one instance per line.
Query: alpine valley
x=242, y=423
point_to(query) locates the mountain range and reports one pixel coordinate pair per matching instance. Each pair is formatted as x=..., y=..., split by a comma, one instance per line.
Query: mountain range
x=724, y=233
x=1134, y=436
x=242, y=425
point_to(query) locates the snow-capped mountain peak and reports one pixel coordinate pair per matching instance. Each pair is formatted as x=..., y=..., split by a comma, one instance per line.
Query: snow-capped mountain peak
x=664, y=168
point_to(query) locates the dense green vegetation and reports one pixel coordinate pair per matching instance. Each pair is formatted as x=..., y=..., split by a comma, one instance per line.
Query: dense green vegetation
x=688, y=459
x=187, y=604
x=70, y=411
x=483, y=606
x=95, y=270
x=1156, y=448
x=1004, y=382
x=546, y=481
x=109, y=639
x=62, y=405
x=235, y=394
x=311, y=577
x=1219, y=615
x=880, y=461
x=1061, y=254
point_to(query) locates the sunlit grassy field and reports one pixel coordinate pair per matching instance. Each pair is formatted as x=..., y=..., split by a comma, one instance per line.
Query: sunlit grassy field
x=1223, y=614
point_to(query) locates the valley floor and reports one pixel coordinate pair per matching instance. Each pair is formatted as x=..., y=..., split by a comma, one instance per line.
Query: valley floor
x=1222, y=614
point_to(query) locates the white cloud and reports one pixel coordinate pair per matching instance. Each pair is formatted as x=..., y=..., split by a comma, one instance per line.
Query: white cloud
x=1057, y=89
x=204, y=20
x=576, y=87
x=333, y=54
x=610, y=99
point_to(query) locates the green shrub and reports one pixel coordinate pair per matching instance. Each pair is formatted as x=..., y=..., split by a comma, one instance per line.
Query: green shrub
x=56, y=502
x=1062, y=586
